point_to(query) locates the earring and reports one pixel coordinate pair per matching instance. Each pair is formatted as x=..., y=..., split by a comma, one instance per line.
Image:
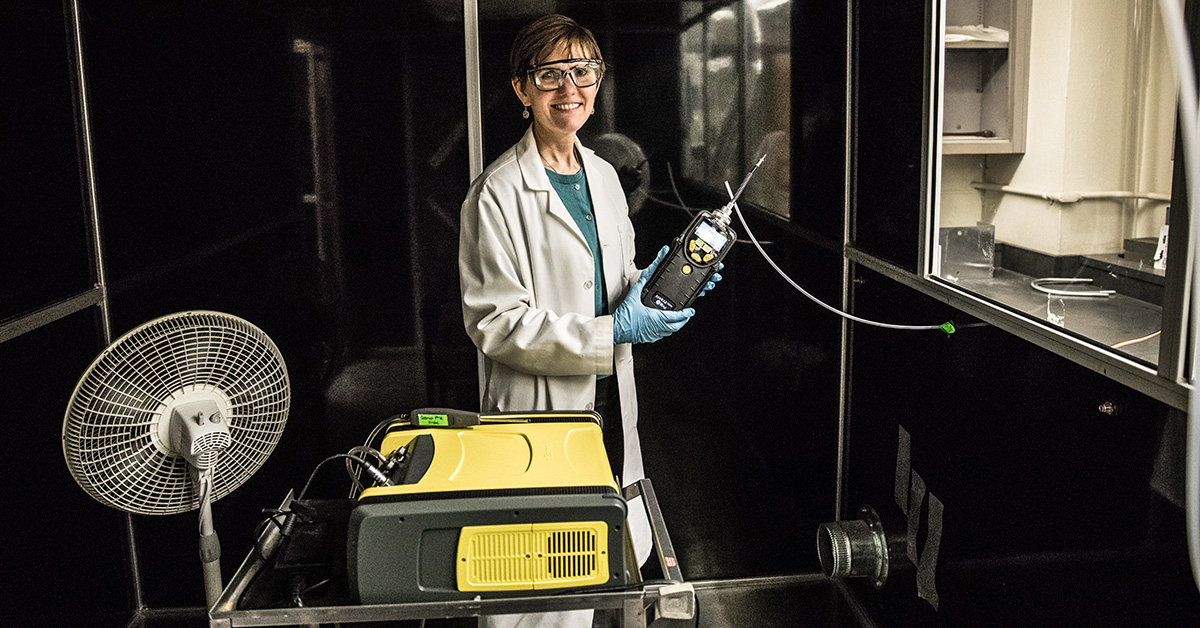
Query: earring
x=525, y=113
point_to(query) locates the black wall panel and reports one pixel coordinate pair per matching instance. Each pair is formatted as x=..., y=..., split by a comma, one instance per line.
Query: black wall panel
x=819, y=118
x=44, y=244
x=739, y=417
x=1043, y=468
x=193, y=110
x=888, y=138
x=65, y=554
x=199, y=136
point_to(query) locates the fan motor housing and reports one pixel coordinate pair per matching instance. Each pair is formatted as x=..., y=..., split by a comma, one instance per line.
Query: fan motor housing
x=199, y=432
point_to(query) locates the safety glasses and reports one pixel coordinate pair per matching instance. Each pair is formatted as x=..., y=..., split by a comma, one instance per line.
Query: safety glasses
x=583, y=73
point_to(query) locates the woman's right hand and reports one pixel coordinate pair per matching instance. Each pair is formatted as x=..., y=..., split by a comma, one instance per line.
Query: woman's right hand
x=634, y=322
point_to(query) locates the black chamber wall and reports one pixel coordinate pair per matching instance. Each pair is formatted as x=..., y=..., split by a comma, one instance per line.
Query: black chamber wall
x=201, y=138
x=1049, y=474
x=200, y=129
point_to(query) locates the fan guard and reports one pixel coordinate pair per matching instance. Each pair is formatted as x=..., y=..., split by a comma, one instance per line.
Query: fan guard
x=629, y=160
x=116, y=430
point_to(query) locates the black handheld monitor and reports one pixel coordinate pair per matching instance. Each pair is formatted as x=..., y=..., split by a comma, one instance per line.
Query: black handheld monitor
x=691, y=262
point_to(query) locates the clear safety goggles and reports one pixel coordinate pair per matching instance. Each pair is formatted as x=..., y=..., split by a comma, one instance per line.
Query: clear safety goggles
x=583, y=73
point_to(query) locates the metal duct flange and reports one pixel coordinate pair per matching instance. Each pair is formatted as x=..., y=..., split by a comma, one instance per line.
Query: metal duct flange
x=854, y=549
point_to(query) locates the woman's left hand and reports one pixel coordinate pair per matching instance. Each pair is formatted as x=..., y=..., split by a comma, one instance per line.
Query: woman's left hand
x=712, y=282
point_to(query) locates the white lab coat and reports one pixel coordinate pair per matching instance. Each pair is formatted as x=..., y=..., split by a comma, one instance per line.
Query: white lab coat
x=529, y=302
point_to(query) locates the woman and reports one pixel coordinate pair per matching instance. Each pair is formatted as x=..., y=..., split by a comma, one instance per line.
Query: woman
x=550, y=294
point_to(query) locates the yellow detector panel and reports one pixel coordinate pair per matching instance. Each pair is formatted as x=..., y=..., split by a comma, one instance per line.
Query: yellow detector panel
x=531, y=556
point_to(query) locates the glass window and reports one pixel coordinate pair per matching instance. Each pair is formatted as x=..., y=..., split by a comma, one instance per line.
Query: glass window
x=1053, y=193
x=735, y=82
x=768, y=72
x=711, y=82
x=694, y=156
x=722, y=88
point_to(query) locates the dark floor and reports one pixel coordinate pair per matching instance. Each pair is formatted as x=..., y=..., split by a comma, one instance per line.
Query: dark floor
x=789, y=602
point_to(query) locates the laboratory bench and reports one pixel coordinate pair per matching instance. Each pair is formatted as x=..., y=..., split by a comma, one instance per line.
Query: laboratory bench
x=1132, y=312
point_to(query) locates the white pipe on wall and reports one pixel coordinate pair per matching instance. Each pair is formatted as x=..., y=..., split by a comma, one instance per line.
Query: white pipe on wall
x=1072, y=197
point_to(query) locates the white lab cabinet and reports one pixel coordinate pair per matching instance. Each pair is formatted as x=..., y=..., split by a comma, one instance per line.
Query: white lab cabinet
x=985, y=73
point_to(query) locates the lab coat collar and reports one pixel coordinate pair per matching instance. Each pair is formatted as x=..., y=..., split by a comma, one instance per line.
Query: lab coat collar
x=534, y=174
x=532, y=168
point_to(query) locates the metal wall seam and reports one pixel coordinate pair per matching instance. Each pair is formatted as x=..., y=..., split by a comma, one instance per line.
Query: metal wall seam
x=89, y=169
x=474, y=102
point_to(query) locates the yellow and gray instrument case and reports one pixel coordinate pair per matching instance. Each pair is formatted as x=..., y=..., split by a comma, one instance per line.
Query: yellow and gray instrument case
x=491, y=510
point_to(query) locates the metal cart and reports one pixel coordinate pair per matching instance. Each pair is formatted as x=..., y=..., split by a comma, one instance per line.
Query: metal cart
x=640, y=603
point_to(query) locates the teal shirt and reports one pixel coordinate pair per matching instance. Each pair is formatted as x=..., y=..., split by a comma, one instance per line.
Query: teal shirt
x=573, y=191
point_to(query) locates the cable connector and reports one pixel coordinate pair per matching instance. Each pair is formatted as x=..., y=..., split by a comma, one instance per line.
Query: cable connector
x=394, y=461
x=948, y=327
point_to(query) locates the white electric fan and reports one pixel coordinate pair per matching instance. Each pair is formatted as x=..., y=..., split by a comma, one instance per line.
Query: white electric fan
x=176, y=414
x=629, y=160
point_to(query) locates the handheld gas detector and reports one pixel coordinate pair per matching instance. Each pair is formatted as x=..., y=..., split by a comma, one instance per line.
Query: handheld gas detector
x=694, y=256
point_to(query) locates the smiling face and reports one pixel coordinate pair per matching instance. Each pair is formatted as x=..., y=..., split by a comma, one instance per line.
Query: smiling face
x=562, y=112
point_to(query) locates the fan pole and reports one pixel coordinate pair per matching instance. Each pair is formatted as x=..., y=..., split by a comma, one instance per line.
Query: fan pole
x=210, y=545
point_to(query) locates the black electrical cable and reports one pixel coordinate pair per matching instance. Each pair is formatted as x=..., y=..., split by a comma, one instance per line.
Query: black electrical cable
x=322, y=463
x=289, y=515
x=396, y=419
x=258, y=533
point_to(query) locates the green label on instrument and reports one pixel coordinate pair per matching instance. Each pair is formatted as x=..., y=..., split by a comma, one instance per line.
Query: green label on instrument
x=433, y=419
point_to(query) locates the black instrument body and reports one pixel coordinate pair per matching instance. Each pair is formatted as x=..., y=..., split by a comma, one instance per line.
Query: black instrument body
x=691, y=262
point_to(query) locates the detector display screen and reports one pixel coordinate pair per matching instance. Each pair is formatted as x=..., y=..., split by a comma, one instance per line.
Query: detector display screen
x=711, y=236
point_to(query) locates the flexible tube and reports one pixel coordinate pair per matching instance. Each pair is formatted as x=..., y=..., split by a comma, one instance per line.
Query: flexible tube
x=1181, y=56
x=819, y=302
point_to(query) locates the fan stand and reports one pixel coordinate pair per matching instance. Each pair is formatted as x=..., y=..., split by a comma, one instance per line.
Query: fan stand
x=198, y=431
x=210, y=545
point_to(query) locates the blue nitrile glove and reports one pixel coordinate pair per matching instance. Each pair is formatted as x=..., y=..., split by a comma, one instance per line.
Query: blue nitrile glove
x=712, y=282
x=634, y=322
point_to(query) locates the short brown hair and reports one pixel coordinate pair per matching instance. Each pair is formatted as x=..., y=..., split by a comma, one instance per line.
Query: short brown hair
x=542, y=35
